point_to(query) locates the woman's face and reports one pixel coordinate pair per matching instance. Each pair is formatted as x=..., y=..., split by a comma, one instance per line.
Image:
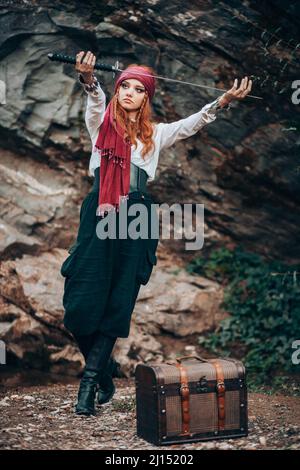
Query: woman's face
x=132, y=90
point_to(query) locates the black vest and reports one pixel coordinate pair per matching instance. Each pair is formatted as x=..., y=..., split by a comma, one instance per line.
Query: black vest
x=138, y=179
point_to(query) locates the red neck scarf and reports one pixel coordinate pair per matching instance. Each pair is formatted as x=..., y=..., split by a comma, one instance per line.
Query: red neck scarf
x=115, y=152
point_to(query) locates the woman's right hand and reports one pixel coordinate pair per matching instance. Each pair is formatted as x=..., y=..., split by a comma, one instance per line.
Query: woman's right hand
x=85, y=65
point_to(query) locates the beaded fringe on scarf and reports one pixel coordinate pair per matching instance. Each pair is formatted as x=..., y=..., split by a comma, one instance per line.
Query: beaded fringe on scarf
x=104, y=208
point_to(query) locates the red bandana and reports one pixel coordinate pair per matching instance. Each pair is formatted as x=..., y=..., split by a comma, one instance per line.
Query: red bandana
x=115, y=152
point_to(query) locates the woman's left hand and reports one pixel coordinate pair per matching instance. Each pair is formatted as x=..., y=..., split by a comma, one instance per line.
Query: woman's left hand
x=236, y=93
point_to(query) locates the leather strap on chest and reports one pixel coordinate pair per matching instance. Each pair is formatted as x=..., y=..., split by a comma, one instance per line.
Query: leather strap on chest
x=185, y=400
x=220, y=393
x=185, y=396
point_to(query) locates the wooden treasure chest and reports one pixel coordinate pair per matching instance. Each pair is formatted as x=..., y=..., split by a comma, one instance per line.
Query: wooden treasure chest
x=192, y=399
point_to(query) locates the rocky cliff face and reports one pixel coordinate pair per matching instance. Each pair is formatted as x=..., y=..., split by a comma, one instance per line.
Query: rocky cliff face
x=244, y=167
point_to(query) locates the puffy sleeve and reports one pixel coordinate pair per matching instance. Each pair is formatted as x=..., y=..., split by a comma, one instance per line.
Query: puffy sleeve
x=95, y=107
x=186, y=127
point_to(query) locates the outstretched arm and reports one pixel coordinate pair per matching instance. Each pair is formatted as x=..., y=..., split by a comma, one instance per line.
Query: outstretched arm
x=186, y=127
x=96, y=100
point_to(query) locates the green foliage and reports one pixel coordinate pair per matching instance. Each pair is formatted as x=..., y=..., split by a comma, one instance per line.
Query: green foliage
x=263, y=300
x=124, y=405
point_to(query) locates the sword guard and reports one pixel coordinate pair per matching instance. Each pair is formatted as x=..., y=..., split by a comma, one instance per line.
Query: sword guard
x=115, y=67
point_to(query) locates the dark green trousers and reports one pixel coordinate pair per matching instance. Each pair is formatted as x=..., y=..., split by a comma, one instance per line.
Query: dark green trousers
x=103, y=276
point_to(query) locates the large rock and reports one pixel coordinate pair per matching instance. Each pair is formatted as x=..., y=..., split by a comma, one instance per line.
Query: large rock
x=242, y=166
x=31, y=314
x=179, y=303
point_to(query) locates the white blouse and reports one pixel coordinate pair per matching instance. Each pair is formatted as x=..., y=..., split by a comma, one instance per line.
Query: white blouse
x=165, y=134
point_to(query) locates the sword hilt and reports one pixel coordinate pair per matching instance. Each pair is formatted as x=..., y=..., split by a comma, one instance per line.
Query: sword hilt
x=68, y=59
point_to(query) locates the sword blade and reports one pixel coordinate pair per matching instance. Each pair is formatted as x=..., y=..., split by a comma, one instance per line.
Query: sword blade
x=184, y=82
x=115, y=68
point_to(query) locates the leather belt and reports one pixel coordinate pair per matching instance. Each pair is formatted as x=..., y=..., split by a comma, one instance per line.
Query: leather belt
x=138, y=179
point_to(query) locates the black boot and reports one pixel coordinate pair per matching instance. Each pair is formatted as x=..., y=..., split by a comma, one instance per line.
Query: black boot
x=106, y=385
x=94, y=369
x=86, y=395
x=85, y=343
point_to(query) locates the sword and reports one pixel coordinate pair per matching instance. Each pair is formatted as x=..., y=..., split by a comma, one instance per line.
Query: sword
x=67, y=59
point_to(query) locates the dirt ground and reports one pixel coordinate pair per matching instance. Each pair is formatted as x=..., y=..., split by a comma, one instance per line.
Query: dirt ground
x=42, y=417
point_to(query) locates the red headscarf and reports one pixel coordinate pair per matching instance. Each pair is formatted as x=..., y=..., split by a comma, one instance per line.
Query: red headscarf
x=115, y=152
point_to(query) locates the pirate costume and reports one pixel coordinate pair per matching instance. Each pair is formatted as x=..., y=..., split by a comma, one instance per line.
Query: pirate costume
x=103, y=276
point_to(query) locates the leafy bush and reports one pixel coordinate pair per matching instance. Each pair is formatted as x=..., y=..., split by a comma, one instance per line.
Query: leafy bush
x=263, y=300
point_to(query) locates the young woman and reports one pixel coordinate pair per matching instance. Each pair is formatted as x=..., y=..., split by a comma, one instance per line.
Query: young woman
x=103, y=275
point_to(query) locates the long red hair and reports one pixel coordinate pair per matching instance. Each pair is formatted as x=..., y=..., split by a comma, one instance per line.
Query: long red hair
x=143, y=127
